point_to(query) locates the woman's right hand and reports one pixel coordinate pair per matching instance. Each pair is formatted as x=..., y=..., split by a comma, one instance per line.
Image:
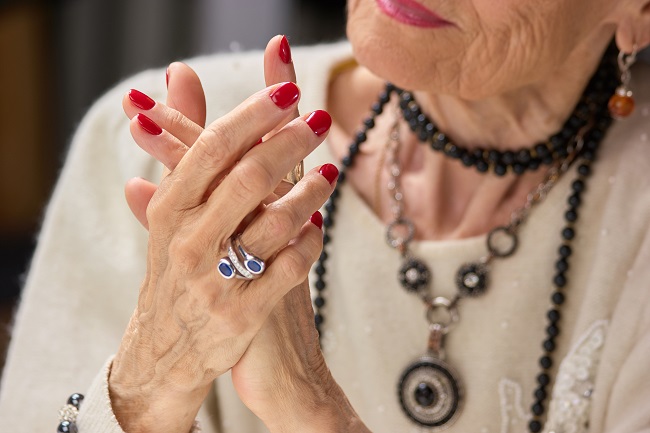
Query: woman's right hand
x=190, y=324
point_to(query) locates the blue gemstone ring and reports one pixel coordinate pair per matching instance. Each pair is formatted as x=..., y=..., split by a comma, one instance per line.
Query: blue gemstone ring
x=240, y=263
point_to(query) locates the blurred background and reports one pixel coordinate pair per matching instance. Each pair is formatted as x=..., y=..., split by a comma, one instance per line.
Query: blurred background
x=57, y=57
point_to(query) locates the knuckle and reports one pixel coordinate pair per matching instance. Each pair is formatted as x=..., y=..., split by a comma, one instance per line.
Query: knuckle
x=296, y=267
x=299, y=139
x=184, y=253
x=254, y=177
x=212, y=147
x=279, y=224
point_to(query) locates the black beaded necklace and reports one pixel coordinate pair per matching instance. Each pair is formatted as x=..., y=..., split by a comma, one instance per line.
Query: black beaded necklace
x=590, y=116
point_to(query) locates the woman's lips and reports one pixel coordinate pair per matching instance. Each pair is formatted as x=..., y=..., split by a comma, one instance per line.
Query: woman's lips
x=412, y=13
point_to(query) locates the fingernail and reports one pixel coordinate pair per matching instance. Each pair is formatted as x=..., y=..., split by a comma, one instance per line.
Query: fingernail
x=329, y=172
x=167, y=77
x=149, y=125
x=141, y=100
x=317, y=219
x=285, y=50
x=319, y=121
x=285, y=95
x=258, y=142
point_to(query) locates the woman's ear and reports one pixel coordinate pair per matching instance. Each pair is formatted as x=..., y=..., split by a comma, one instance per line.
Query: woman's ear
x=634, y=27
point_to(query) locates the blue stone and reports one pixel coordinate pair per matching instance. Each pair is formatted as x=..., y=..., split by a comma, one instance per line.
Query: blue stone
x=225, y=270
x=253, y=266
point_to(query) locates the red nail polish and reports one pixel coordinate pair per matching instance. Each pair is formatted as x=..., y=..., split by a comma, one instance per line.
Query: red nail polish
x=317, y=219
x=329, y=172
x=258, y=142
x=141, y=100
x=285, y=50
x=319, y=121
x=285, y=95
x=167, y=77
x=149, y=125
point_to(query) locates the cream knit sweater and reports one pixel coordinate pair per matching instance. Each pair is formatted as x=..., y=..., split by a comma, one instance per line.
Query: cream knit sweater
x=84, y=280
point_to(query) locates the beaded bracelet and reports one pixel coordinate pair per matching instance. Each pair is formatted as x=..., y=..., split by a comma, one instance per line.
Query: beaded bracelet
x=68, y=414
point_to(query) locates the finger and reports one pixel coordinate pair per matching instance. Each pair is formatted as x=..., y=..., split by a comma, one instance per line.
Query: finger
x=278, y=68
x=289, y=268
x=259, y=172
x=185, y=93
x=138, y=194
x=156, y=141
x=225, y=141
x=173, y=121
x=281, y=220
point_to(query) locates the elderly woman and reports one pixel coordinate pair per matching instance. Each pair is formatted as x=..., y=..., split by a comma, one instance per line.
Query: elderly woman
x=485, y=236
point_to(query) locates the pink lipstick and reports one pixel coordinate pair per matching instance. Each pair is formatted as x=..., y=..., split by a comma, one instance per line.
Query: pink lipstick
x=412, y=13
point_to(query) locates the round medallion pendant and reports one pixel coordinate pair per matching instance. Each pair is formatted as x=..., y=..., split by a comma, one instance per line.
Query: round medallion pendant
x=414, y=275
x=430, y=393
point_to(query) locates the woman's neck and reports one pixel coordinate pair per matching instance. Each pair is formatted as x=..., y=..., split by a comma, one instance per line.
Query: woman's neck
x=447, y=200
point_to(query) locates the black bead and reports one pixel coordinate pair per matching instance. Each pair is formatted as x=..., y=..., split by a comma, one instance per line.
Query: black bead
x=552, y=331
x=548, y=160
x=535, y=426
x=320, y=270
x=328, y=222
x=430, y=128
x=482, y=166
x=323, y=256
x=537, y=409
x=361, y=137
x=384, y=97
x=453, y=151
x=326, y=239
x=422, y=119
x=553, y=315
x=518, y=168
x=423, y=135
x=500, y=169
x=584, y=170
x=341, y=177
x=571, y=215
x=541, y=150
x=494, y=156
x=578, y=185
x=508, y=158
x=377, y=108
x=543, y=379
x=562, y=265
x=320, y=285
x=319, y=302
x=318, y=319
x=545, y=362
x=67, y=427
x=468, y=160
x=565, y=251
x=540, y=394
x=523, y=156
x=330, y=206
x=346, y=161
x=559, y=280
x=588, y=155
x=369, y=123
x=534, y=164
x=568, y=233
x=76, y=399
x=354, y=149
x=558, y=298
x=549, y=345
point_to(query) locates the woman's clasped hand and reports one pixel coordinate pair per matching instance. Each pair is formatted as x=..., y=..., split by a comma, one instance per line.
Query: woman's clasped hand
x=191, y=325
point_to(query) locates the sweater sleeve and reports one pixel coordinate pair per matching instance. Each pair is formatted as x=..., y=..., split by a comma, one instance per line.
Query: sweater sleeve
x=84, y=277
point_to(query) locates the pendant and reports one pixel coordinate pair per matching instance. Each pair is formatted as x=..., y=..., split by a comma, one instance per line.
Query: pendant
x=429, y=390
x=430, y=393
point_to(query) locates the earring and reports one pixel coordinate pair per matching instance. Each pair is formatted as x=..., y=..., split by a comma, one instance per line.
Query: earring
x=621, y=104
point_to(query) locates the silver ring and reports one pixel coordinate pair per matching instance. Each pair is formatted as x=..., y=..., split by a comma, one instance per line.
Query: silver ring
x=253, y=264
x=240, y=263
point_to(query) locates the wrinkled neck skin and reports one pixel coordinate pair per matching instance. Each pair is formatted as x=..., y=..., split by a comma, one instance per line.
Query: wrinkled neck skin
x=444, y=199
